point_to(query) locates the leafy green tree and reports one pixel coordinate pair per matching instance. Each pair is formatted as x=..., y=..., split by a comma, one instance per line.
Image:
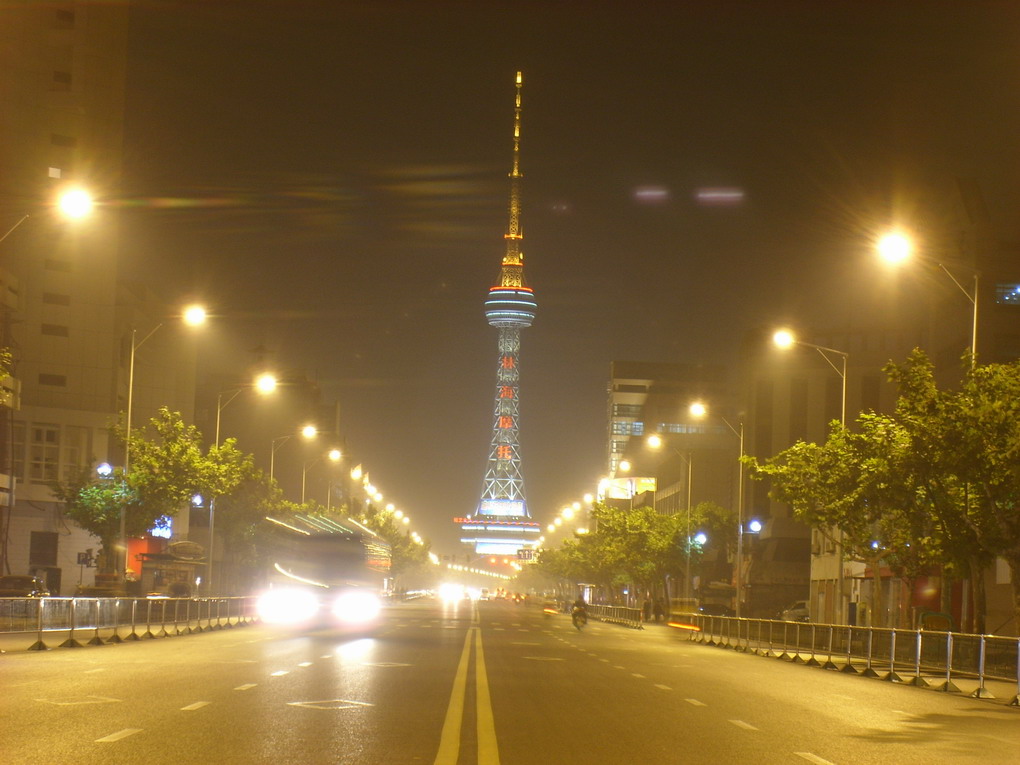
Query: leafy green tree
x=167, y=468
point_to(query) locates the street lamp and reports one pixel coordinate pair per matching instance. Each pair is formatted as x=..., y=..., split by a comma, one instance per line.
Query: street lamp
x=71, y=203
x=785, y=339
x=193, y=316
x=333, y=455
x=655, y=442
x=896, y=248
x=698, y=409
x=265, y=384
x=308, y=432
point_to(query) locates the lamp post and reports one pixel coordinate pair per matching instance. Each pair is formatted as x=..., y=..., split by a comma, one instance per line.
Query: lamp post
x=334, y=455
x=193, y=316
x=265, y=384
x=698, y=409
x=655, y=442
x=896, y=248
x=308, y=432
x=785, y=339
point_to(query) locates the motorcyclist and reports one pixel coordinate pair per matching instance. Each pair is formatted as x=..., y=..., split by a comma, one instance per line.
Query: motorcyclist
x=579, y=612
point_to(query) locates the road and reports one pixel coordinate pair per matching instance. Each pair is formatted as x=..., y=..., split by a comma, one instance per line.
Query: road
x=468, y=683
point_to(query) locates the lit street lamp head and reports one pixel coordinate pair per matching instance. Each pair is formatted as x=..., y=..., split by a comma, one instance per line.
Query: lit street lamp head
x=697, y=409
x=194, y=315
x=265, y=383
x=783, y=338
x=895, y=247
x=74, y=203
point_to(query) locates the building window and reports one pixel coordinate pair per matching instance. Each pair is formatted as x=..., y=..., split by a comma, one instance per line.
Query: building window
x=628, y=428
x=55, y=330
x=57, y=380
x=626, y=410
x=54, y=172
x=63, y=140
x=53, y=298
x=42, y=548
x=44, y=453
x=1007, y=294
x=77, y=449
x=18, y=450
x=623, y=388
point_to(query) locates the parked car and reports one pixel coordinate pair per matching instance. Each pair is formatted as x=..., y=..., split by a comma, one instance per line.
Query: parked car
x=715, y=609
x=795, y=612
x=19, y=586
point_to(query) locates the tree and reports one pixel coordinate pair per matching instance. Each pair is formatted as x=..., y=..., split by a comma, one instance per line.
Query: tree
x=167, y=468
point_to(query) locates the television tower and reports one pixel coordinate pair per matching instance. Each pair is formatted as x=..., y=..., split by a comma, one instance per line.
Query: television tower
x=501, y=523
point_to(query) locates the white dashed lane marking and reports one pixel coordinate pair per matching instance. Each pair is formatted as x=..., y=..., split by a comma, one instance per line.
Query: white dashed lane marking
x=813, y=758
x=118, y=735
x=280, y=673
x=663, y=687
x=744, y=725
x=305, y=664
x=245, y=687
x=695, y=702
x=196, y=705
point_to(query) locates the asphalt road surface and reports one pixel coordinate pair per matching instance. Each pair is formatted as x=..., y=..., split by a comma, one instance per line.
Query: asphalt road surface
x=472, y=683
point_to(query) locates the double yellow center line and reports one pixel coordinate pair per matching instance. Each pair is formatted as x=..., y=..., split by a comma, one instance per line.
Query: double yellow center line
x=449, y=742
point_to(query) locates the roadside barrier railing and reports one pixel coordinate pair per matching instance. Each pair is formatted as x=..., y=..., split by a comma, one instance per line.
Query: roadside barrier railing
x=628, y=617
x=923, y=658
x=74, y=622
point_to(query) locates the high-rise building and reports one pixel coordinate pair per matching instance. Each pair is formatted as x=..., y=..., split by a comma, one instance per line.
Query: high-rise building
x=501, y=523
x=66, y=317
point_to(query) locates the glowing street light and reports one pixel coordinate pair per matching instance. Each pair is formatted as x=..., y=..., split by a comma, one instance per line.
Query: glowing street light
x=739, y=433
x=135, y=345
x=784, y=339
x=333, y=455
x=896, y=248
x=308, y=432
x=75, y=203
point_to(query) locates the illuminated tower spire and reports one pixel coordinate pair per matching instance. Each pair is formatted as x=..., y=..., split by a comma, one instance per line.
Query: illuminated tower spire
x=501, y=523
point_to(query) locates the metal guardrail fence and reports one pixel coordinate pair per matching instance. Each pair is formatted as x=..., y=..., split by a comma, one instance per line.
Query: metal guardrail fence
x=628, y=617
x=927, y=659
x=74, y=622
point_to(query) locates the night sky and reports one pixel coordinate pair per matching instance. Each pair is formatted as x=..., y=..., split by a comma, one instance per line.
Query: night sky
x=331, y=178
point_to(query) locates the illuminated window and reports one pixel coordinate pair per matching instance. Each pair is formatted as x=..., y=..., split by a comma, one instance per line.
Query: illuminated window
x=1007, y=294
x=54, y=172
x=44, y=453
x=627, y=410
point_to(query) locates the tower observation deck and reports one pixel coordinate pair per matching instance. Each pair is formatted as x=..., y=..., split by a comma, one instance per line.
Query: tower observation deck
x=501, y=523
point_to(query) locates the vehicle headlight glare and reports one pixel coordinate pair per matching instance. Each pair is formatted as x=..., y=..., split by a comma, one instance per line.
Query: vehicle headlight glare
x=287, y=606
x=356, y=607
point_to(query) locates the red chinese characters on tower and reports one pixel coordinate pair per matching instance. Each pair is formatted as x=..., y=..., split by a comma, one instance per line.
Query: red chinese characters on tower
x=505, y=391
x=503, y=452
x=506, y=421
x=508, y=362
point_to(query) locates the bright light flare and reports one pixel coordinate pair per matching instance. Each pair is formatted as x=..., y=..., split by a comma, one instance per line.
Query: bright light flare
x=783, y=338
x=287, y=606
x=654, y=442
x=75, y=203
x=194, y=315
x=356, y=607
x=309, y=431
x=895, y=247
x=265, y=383
x=450, y=592
x=697, y=409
